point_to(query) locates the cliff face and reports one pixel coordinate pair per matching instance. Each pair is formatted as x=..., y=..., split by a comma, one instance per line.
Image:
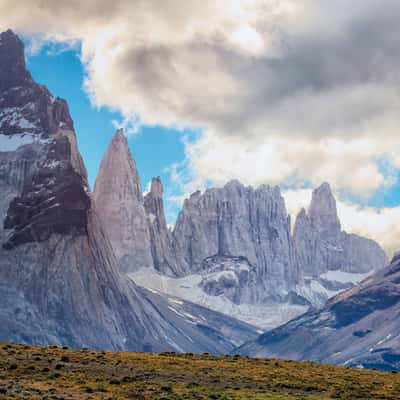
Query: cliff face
x=164, y=259
x=59, y=280
x=238, y=221
x=327, y=256
x=55, y=262
x=119, y=200
x=321, y=246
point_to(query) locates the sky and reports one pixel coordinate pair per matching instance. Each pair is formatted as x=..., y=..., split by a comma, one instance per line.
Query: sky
x=280, y=92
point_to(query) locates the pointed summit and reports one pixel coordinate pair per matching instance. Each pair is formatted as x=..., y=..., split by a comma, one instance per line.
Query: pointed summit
x=119, y=165
x=119, y=200
x=322, y=211
x=156, y=188
x=27, y=107
x=12, y=61
x=161, y=239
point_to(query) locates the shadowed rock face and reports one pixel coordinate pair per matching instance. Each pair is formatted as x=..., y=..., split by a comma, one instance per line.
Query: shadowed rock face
x=54, y=200
x=322, y=211
x=164, y=259
x=59, y=280
x=13, y=70
x=359, y=327
x=52, y=194
x=26, y=107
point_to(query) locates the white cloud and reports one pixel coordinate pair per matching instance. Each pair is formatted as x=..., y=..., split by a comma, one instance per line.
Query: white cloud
x=350, y=165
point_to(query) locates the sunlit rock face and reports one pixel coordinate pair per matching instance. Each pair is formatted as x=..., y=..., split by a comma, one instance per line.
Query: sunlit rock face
x=234, y=252
x=239, y=221
x=59, y=279
x=119, y=200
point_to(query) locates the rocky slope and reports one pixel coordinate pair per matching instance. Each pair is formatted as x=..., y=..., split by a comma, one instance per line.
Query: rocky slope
x=359, y=327
x=59, y=280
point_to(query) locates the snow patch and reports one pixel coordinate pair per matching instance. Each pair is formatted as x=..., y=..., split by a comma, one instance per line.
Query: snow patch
x=345, y=277
x=13, y=142
x=187, y=288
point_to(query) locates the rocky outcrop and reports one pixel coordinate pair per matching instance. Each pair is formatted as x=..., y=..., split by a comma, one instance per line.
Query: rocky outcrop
x=119, y=200
x=359, y=327
x=164, y=260
x=239, y=221
x=59, y=278
x=234, y=251
x=321, y=245
x=321, y=248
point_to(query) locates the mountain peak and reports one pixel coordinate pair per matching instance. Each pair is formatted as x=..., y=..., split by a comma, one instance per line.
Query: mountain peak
x=156, y=187
x=322, y=211
x=12, y=55
x=118, y=168
x=119, y=199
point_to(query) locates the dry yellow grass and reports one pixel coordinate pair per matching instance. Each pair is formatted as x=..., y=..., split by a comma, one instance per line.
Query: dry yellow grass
x=53, y=373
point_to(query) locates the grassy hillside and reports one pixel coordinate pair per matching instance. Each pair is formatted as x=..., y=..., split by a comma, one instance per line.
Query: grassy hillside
x=60, y=373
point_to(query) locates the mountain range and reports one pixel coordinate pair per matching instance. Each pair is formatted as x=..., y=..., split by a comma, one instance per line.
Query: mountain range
x=102, y=269
x=232, y=248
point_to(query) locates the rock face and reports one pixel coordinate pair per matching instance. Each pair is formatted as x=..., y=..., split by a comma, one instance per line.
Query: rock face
x=238, y=221
x=235, y=253
x=359, y=327
x=135, y=224
x=160, y=237
x=322, y=249
x=59, y=280
x=119, y=200
x=231, y=247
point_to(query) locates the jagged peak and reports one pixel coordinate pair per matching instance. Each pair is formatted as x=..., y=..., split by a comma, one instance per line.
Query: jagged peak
x=325, y=187
x=322, y=210
x=8, y=37
x=12, y=60
x=234, y=183
x=119, y=138
x=156, y=187
x=118, y=168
